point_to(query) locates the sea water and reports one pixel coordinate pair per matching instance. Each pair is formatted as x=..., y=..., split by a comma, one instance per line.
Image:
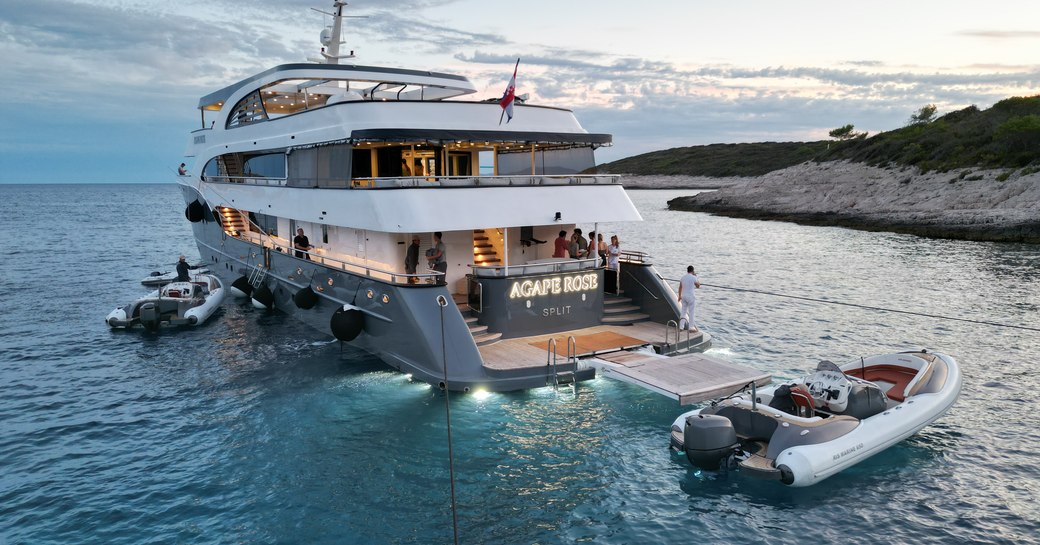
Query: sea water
x=256, y=429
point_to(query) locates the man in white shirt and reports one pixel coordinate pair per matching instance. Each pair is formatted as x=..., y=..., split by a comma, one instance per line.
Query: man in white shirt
x=687, y=284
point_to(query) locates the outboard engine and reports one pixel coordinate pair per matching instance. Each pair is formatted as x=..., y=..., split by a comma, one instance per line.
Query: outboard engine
x=708, y=439
x=150, y=316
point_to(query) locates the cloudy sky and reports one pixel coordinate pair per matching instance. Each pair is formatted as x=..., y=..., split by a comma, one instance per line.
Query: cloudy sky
x=106, y=90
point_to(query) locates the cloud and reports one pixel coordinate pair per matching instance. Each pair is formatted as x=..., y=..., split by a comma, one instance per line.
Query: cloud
x=1001, y=34
x=91, y=79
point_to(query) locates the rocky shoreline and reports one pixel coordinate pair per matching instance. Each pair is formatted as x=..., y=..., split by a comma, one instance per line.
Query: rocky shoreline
x=966, y=204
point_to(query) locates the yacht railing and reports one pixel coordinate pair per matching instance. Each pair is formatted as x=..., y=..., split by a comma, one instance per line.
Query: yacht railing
x=632, y=256
x=249, y=180
x=409, y=182
x=392, y=277
x=553, y=266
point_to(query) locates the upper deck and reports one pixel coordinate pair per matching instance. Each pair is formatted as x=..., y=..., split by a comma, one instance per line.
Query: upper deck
x=309, y=84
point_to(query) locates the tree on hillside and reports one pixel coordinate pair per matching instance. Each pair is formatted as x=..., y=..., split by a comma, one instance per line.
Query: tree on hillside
x=925, y=115
x=846, y=133
x=1020, y=133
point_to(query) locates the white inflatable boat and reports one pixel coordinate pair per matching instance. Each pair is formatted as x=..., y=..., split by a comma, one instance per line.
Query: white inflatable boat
x=802, y=432
x=160, y=278
x=176, y=303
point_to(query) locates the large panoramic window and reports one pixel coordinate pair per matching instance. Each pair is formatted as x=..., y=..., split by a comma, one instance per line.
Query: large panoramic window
x=268, y=165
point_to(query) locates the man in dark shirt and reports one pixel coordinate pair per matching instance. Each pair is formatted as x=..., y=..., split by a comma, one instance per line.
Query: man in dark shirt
x=182, y=270
x=302, y=244
x=411, y=259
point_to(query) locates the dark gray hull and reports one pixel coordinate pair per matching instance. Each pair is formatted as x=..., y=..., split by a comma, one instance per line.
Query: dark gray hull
x=404, y=325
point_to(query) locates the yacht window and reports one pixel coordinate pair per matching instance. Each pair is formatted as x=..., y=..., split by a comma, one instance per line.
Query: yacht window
x=248, y=110
x=212, y=169
x=268, y=224
x=268, y=165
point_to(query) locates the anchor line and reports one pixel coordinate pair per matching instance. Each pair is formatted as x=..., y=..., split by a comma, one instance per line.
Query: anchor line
x=868, y=307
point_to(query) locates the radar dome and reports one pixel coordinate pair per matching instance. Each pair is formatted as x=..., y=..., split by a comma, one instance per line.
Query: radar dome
x=326, y=36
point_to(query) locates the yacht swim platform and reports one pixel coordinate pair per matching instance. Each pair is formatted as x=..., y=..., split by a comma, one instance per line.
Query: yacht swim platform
x=624, y=353
x=687, y=378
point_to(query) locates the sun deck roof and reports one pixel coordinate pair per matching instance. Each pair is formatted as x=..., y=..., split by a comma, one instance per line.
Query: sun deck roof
x=300, y=82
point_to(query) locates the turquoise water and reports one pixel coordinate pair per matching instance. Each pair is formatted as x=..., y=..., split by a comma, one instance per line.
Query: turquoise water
x=254, y=429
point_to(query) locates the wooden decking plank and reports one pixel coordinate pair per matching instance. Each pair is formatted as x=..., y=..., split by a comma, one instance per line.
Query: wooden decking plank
x=692, y=377
x=518, y=352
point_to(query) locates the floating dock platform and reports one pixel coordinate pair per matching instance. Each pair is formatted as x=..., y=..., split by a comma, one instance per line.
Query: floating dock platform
x=639, y=354
x=687, y=378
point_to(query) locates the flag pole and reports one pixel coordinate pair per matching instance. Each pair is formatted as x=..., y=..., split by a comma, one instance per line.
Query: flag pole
x=512, y=85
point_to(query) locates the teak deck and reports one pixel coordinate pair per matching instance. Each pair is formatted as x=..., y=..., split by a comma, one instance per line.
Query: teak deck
x=532, y=351
x=688, y=378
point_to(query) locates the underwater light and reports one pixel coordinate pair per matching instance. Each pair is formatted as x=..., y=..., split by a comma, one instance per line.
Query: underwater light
x=481, y=394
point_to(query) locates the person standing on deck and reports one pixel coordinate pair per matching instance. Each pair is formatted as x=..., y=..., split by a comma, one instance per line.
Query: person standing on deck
x=561, y=249
x=687, y=284
x=438, y=261
x=301, y=242
x=411, y=259
x=614, y=253
x=582, y=247
x=182, y=270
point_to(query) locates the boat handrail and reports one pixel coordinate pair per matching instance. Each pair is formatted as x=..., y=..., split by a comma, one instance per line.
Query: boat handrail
x=392, y=277
x=633, y=256
x=375, y=273
x=250, y=180
x=550, y=358
x=636, y=280
x=556, y=266
x=424, y=182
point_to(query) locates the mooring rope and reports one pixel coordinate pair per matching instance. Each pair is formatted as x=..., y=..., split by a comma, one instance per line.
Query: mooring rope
x=868, y=307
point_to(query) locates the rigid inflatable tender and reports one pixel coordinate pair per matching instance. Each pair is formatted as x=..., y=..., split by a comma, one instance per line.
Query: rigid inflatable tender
x=177, y=303
x=802, y=432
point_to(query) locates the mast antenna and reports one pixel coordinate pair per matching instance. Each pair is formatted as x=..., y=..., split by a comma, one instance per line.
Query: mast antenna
x=332, y=37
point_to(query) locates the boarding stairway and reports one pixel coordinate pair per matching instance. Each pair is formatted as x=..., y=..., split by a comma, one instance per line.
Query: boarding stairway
x=231, y=220
x=484, y=251
x=479, y=332
x=619, y=310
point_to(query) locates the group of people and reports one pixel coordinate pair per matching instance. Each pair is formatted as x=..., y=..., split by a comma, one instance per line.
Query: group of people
x=577, y=247
x=435, y=258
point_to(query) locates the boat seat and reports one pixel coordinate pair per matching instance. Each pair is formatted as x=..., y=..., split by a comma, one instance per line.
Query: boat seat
x=898, y=377
x=748, y=424
x=803, y=402
x=173, y=293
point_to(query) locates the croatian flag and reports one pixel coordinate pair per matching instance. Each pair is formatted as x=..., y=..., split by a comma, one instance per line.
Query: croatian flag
x=507, y=98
